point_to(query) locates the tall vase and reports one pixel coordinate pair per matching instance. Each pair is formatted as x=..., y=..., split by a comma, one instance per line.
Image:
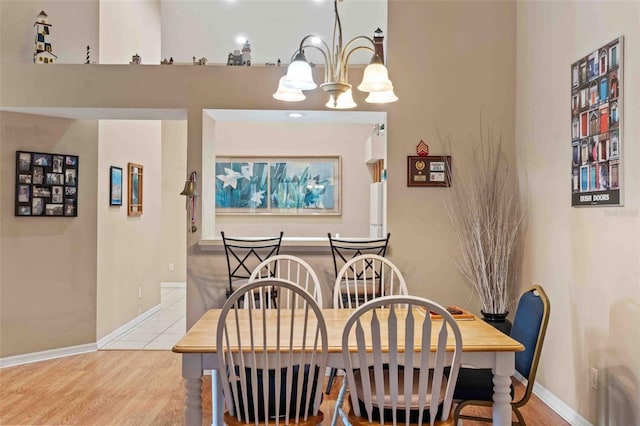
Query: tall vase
x=498, y=321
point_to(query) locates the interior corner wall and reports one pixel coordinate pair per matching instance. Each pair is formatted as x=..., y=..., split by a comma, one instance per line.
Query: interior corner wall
x=129, y=247
x=174, y=212
x=452, y=64
x=48, y=264
x=283, y=139
x=587, y=259
x=130, y=28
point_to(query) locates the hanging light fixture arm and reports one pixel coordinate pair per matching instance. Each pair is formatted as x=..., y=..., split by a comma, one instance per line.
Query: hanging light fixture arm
x=328, y=71
x=346, y=55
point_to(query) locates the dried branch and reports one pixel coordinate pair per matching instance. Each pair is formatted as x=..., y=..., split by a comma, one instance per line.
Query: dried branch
x=488, y=218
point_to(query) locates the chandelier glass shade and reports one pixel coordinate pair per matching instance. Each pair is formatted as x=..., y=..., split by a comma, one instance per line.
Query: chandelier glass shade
x=289, y=95
x=343, y=101
x=375, y=79
x=381, y=97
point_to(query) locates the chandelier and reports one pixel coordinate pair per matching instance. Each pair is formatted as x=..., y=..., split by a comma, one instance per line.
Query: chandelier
x=375, y=79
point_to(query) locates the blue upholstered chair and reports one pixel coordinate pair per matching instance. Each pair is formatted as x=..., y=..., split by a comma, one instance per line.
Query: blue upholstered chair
x=475, y=386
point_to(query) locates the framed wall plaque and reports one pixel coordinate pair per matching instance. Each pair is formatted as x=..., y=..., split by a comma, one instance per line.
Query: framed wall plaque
x=430, y=171
x=46, y=184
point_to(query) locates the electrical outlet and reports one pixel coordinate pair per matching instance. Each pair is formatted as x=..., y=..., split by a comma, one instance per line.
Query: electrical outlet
x=172, y=266
x=139, y=292
x=593, y=377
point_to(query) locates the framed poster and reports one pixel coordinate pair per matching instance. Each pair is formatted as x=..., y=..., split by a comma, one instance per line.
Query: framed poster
x=596, y=127
x=115, y=186
x=429, y=171
x=278, y=185
x=46, y=184
x=134, y=199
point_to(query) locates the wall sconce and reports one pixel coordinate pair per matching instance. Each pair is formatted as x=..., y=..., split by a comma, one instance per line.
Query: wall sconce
x=190, y=192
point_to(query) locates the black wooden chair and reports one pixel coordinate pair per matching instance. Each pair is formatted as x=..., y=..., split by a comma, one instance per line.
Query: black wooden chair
x=343, y=250
x=244, y=254
x=475, y=386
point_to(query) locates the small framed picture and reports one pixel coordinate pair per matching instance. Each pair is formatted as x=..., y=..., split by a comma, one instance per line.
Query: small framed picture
x=57, y=163
x=70, y=177
x=37, y=207
x=134, y=206
x=53, y=210
x=115, y=186
x=24, y=192
x=24, y=161
x=42, y=159
x=69, y=207
x=38, y=176
x=56, y=195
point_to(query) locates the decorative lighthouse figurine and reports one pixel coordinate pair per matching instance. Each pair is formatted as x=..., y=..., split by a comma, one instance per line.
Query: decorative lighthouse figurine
x=43, y=51
x=246, y=53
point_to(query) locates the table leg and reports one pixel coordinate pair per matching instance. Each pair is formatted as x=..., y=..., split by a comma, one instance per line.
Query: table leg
x=217, y=401
x=502, y=373
x=192, y=373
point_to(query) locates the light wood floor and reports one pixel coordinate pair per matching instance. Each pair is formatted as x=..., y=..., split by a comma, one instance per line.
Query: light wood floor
x=128, y=388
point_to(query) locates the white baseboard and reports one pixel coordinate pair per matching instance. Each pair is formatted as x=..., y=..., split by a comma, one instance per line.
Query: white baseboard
x=555, y=403
x=173, y=285
x=12, y=361
x=128, y=326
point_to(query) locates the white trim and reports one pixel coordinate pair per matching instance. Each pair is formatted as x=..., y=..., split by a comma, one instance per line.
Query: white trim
x=173, y=284
x=556, y=404
x=128, y=326
x=12, y=361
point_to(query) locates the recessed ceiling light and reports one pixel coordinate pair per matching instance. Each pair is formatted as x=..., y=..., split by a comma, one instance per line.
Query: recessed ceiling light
x=296, y=114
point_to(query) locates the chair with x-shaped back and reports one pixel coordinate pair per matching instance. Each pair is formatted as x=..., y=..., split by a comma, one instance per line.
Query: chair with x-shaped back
x=245, y=254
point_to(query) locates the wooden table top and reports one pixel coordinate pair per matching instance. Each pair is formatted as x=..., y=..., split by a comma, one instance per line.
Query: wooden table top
x=477, y=335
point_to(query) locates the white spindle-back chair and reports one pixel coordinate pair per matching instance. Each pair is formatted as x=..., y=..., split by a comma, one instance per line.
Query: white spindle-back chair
x=394, y=377
x=363, y=278
x=290, y=268
x=366, y=277
x=277, y=376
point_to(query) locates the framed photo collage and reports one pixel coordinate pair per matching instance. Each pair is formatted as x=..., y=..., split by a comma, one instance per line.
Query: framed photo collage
x=46, y=184
x=596, y=123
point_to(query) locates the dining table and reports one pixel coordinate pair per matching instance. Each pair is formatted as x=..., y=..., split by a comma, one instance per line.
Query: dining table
x=483, y=346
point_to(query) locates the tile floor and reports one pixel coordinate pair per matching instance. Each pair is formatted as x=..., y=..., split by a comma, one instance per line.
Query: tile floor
x=162, y=330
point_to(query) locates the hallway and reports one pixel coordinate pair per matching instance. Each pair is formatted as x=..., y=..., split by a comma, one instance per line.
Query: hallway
x=162, y=330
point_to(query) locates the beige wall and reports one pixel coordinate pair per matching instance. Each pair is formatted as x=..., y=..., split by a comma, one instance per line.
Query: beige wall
x=48, y=264
x=588, y=259
x=449, y=61
x=346, y=141
x=174, y=213
x=128, y=28
x=129, y=247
